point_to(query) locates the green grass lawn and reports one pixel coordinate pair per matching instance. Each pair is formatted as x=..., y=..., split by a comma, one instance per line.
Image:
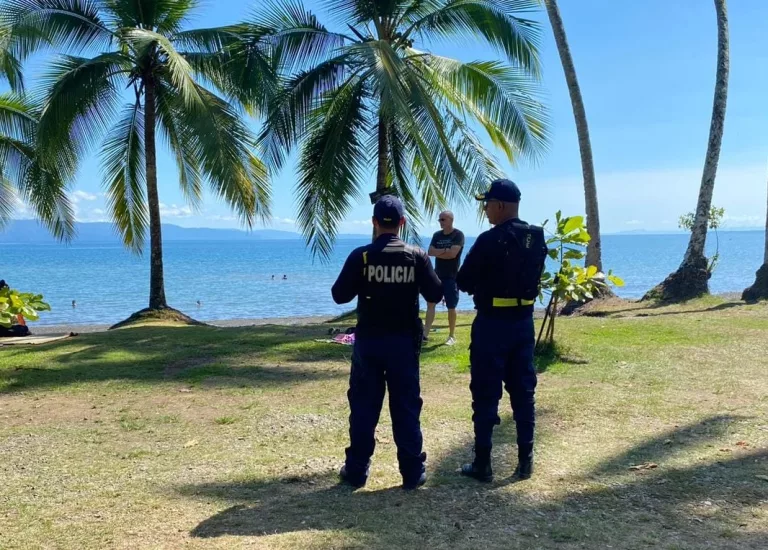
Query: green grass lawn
x=653, y=433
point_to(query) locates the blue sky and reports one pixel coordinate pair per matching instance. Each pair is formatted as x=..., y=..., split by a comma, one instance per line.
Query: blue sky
x=647, y=73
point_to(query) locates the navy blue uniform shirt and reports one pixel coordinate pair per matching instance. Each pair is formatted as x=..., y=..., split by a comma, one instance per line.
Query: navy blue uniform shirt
x=387, y=276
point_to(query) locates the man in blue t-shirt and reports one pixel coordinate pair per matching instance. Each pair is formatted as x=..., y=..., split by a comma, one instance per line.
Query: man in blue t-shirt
x=446, y=246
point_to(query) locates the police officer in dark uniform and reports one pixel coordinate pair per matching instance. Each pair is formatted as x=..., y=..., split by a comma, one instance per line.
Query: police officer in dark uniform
x=502, y=272
x=386, y=277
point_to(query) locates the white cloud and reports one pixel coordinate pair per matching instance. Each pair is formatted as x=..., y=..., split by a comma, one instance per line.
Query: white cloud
x=174, y=211
x=220, y=218
x=633, y=222
x=90, y=216
x=79, y=195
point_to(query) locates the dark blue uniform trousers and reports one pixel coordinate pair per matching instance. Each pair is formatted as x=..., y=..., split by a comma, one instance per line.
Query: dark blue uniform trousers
x=502, y=353
x=379, y=362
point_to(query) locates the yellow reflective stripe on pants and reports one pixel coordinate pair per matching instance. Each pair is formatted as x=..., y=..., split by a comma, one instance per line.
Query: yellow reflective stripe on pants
x=511, y=302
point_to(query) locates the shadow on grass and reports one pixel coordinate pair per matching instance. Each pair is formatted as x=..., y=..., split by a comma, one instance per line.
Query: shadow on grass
x=547, y=355
x=690, y=507
x=266, y=355
x=644, y=311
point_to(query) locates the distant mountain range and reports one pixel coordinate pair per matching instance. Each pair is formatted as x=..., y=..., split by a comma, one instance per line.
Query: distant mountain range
x=30, y=231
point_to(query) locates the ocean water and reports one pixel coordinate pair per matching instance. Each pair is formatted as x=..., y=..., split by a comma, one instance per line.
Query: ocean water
x=233, y=280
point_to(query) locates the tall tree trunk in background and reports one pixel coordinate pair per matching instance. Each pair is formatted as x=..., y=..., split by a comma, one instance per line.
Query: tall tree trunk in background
x=692, y=277
x=156, y=278
x=382, y=153
x=759, y=290
x=382, y=160
x=594, y=249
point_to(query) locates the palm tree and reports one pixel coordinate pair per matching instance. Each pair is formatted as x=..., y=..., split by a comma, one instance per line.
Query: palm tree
x=138, y=54
x=692, y=277
x=22, y=175
x=367, y=99
x=594, y=248
x=759, y=289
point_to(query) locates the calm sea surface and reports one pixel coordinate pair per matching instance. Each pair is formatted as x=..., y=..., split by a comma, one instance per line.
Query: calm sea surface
x=233, y=280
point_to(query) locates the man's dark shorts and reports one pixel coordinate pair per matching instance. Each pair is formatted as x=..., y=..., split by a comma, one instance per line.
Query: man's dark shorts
x=450, y=293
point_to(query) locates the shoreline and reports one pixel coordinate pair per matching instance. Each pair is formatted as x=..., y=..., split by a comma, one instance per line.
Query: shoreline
x=296, y=320
x=222, y=323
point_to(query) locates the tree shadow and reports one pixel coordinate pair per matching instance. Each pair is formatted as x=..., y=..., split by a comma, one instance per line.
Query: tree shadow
x=643, y=311
x=700, y=505
x=547, y=355
x=263, y=356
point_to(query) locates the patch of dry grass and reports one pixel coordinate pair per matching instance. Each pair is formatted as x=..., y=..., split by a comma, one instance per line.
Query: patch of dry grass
x=652, y=434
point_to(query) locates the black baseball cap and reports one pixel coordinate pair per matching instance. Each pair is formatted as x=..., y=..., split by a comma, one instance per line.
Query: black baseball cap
x=501, y=190
x=388, y=210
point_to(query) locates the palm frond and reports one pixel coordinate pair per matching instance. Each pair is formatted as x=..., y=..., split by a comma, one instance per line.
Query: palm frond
x=295, y=34
x=165, y=16
x=431, y=128
x=8, y=202
x=332, y=164
x=479, y=164
x=399, y=178
x=499, y=97
x=174, y=14
x=225, y=151
x=210, y=40
x=122, y=159
x=381, y=12
x=10, y=65
x=80, y=102
x=41, y=186
x=73, y=25
x=183, y=147
x=494, y=20
x=289, y=108
x=18, y=117
x=179, y=69
x=46, y=192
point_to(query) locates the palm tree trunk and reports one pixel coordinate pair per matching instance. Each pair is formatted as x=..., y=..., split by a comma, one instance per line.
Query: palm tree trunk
x=692, y=277
x=594, y=249
x=383, y=155
x=156, y=278
x=759, y=289
x=765, y=252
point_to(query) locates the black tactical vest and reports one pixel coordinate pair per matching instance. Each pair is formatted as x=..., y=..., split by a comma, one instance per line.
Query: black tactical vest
x=389, y=295
x=518, y=253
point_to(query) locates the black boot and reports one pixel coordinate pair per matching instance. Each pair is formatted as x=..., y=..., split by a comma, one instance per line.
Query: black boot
x=413, y=471
x=524, y=468
x=411, y=484
x=480, y=469
x=356, y=480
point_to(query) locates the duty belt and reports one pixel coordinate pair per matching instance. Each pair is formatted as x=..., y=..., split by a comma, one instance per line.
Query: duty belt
x=512, y=302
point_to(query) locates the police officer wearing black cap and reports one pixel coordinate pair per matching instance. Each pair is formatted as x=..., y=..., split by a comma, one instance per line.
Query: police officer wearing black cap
x=502, y=272
x=386, y=277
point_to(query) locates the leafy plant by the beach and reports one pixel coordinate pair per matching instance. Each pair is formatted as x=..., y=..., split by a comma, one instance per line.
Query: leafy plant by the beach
x=14, y=303
x=715, y=220
x=571, y=282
